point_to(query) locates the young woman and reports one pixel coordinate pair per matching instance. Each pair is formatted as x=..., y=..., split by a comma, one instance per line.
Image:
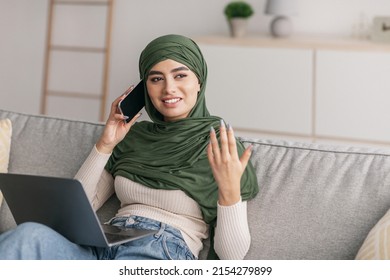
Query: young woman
x=182, y=174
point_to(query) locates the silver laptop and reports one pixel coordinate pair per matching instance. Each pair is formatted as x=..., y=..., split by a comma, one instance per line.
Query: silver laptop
x=61, y=204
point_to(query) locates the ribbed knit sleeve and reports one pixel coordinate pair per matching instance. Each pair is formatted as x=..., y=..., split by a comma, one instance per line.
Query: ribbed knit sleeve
x=97, y=182
x=232, y=238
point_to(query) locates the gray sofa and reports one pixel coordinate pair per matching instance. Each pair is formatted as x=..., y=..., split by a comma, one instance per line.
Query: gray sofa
x=315, y=202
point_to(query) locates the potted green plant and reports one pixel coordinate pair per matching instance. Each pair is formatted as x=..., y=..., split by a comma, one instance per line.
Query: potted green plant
x=237, y=14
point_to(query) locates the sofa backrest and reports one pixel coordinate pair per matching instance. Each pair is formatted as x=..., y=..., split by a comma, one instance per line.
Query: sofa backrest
x=49, y=146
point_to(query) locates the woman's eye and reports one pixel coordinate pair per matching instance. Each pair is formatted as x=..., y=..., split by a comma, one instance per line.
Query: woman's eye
x=180, y=76
x=155, y=79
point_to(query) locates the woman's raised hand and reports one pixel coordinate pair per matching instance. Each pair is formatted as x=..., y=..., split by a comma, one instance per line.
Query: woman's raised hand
x=226, y=164
x=116, y=126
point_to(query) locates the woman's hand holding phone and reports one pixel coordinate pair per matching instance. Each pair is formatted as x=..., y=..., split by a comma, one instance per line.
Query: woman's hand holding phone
x=116, y=126
x=133, y=102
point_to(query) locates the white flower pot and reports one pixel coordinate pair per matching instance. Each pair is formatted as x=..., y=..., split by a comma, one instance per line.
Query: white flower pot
x=238, y=27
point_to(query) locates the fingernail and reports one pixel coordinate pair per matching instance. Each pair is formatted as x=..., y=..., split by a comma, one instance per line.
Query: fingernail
x=222, y=123
x=229, y=127
x=125, y=117
x=212, y=129
x=128, y=90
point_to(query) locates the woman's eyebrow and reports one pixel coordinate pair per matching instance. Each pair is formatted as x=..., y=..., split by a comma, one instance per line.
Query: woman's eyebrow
x=181, y=68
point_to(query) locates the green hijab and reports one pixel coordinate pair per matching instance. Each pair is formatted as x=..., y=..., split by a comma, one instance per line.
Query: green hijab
x=172, y=155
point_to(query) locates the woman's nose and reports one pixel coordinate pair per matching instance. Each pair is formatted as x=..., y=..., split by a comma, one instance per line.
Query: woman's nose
x=170, y=86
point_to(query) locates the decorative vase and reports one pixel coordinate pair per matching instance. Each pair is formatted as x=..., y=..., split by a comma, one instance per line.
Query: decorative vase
x=238, y=27
x=281, y=26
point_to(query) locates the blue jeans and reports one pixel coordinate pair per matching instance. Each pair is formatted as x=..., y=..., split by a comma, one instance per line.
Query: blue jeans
x=36, y=241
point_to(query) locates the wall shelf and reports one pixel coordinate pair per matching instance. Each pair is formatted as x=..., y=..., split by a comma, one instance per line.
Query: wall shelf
x=297, y=42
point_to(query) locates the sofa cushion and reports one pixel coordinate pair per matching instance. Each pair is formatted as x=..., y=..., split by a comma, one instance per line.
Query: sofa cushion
x=315, y=201
x=5, y=145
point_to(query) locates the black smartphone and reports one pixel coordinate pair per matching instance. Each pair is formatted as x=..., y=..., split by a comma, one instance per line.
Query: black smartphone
x=133, y=102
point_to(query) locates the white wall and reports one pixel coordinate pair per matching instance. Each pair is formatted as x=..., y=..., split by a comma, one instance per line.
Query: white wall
x=23, y=32
x=337, y=17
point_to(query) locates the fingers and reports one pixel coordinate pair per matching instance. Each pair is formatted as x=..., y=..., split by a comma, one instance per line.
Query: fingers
x=134, y=119
x=115, y=103
x=232, y=145
x=225, y=155
x=213, y=152
x=128, y=90
x=246, y=156
x=115, y=114
x=228, y=147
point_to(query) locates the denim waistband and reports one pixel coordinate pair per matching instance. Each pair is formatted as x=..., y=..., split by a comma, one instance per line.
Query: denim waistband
x=134, y=221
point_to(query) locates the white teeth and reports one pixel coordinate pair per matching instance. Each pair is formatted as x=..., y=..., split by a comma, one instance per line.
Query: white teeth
x=174, y=100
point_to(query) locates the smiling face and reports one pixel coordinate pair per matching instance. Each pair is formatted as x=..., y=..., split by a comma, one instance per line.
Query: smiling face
x=173, y=89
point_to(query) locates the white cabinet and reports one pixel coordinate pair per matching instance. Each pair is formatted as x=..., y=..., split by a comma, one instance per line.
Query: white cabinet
x=353, y=95
x=314, y=89
x=260, y=88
